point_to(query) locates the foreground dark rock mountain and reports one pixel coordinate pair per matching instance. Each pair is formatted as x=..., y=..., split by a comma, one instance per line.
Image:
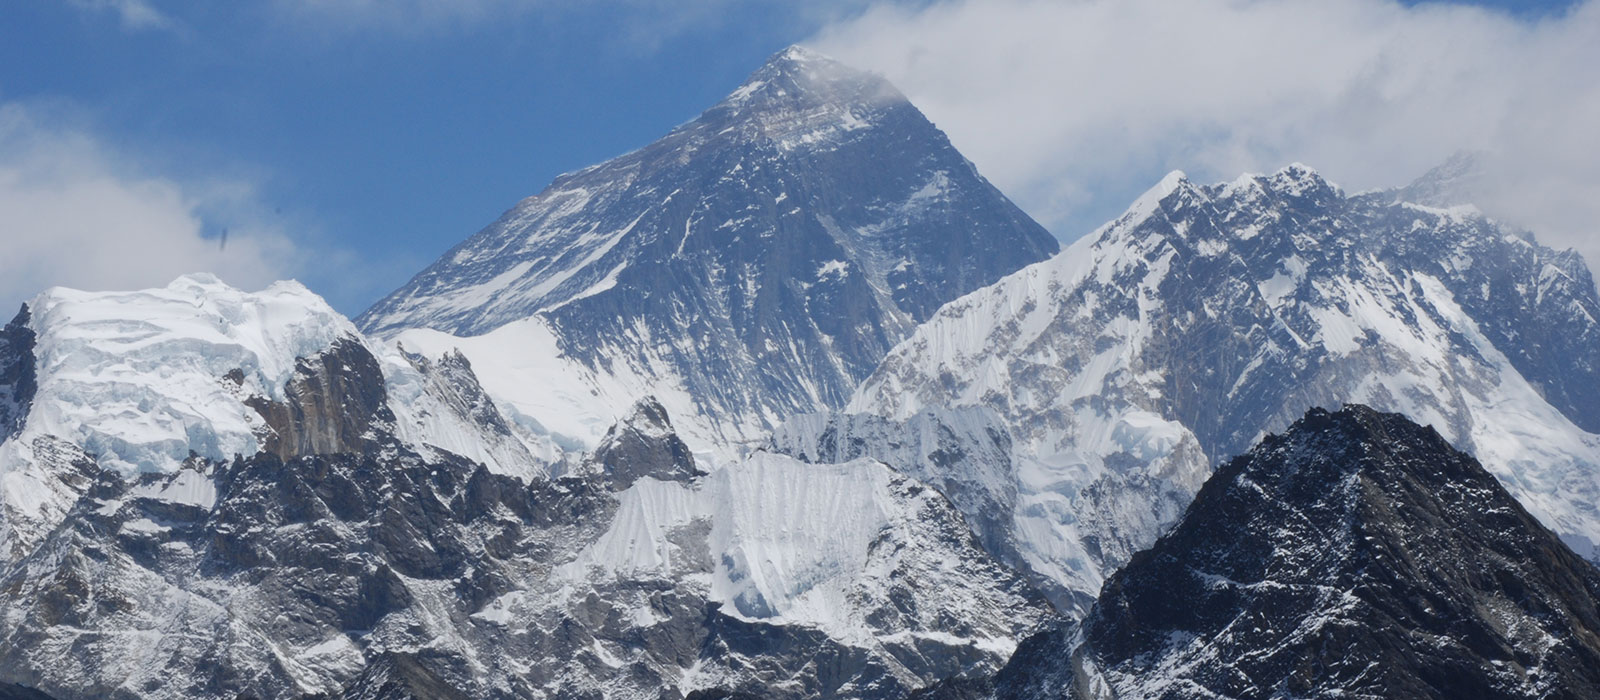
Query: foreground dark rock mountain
x=1356, y=555
x=756, y=262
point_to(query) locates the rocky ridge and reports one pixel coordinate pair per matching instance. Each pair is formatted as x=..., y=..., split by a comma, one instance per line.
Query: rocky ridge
x=1209, y=315
x=1356, y=555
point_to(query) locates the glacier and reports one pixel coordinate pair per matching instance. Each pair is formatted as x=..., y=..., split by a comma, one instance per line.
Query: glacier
x=153, y=382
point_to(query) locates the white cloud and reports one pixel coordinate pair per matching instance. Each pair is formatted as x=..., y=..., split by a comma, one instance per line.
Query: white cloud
x=1073, y=107
x=75, y=213
x=135, y=15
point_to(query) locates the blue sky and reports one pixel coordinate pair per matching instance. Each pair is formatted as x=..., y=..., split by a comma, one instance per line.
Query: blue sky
x=362, y=142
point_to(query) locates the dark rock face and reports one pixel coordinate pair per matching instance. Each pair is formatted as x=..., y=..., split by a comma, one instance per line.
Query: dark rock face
x=333, y=404
x=642, y=445
x=386, y=574
x=9, y=691
x=1540, y=308
x=785, y=239
x=1536, y=305
x=1217, y=313
x=17, y=373
x=1357, y=555
x=278, y=589
x=1539, y=305
x=397, y=676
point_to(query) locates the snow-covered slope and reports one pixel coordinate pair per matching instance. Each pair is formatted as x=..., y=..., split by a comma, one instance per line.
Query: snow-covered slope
x=343, y=574
x=829, y=546
x=213, y=493
x=140, y=378
x=1208, y=315
x=757, y=261
x=1357, y=555
x=967, y=454
x=439, y=405
x=553, y=394
x=147, y=382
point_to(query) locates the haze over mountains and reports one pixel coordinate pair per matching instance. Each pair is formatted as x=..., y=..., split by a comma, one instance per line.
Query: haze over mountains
x=794, y=403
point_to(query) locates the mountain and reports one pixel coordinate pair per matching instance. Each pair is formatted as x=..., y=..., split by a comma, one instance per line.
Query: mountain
x=756, y=262
x=965, y=453
x=145, y=383
x=219, y=494
x=1356, y=555
x=1209, y=315
x=1460, y=180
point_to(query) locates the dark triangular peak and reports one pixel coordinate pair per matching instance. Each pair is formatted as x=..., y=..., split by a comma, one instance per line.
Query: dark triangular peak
x=644, y=444
x=794, y=232
x=400, y=676
x=1358, y=555
x=791, y=144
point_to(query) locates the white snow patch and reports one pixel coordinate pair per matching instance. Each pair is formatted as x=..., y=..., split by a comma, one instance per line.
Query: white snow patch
x=137, y=377
x=832, y=268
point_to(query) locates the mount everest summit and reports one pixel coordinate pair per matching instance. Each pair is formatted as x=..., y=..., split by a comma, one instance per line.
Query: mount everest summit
x=755, y=263
x=794, y=403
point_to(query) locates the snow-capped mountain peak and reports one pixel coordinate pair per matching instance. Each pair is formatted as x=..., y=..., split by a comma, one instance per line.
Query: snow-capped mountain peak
x=1298, y=179
x=138, y=377
x=1209, y=315
x=802, y=76
x=159, y=381
x=754, y=263
x=802, y=99
x=1147, y=204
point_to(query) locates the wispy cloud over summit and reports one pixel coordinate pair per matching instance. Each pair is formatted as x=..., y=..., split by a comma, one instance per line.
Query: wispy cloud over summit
x=1071, y=106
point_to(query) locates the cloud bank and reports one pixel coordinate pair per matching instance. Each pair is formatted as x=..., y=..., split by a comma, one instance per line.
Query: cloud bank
x=78, y=214
x=1074, y=107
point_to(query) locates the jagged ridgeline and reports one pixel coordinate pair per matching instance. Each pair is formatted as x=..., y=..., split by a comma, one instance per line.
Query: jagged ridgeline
x=597, y=451
x=218, y=494
x=1209, y=315
x=213, y=493
x=756, y=262
x=1356, y=555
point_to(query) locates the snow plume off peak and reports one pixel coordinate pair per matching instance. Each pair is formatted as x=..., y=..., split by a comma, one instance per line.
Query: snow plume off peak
x=754, y=263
